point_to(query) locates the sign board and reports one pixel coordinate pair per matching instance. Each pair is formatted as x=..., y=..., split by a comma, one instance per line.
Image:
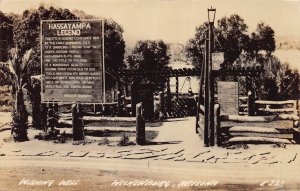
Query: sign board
x=228, y=97
x=72, y=61
x=217, y=60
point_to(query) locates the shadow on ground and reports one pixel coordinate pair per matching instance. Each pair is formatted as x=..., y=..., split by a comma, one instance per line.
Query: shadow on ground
x=162, y=142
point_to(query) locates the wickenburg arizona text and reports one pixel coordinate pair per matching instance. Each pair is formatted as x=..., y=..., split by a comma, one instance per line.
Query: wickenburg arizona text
x=118, y=95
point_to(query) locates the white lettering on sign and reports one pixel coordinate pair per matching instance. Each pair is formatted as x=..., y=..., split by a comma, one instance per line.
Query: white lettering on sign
x=228, y=97
x=69, y=26
x=72, y=60
x=68, y=32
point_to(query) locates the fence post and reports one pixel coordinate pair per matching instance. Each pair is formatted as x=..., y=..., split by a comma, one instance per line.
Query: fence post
x=77, y=123
x=251, y=104
x=36, y=106
x=217, y=124
x=161, y=104
x=168, y=101
x=51, y=118
x=177, y=86
x=44, y=114
x=120, y=109
x=140, y=125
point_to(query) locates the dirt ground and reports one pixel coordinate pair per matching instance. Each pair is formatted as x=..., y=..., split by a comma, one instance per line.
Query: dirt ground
x=175, y=156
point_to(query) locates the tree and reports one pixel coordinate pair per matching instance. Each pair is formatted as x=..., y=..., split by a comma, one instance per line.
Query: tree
x=114, y=50
x=277, y=82
x=262, y=39
x=288, y=82
x=241, y=49
x=195, y=47
x=27, y=29
x=230, y=37
x=231, y=33
x=149, y=55
x=27, y=35
x=18, y=64
x=6, y=36
x=266, y=40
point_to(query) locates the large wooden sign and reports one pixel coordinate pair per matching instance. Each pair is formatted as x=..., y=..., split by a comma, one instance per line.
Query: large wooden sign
x=228, y=97
x=72, y=61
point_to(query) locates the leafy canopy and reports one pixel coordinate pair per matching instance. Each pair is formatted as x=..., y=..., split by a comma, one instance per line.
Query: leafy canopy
x=149, y=55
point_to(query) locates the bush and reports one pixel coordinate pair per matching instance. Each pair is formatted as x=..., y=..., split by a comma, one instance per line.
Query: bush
x=105, y=141
x=51, y=135
x=124, y=141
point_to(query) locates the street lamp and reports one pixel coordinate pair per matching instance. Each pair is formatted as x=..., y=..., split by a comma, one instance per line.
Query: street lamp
x=209, y=83
x=211, y=15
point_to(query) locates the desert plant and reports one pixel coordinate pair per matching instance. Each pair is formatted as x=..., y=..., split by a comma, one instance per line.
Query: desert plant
x=104, y=141
x=17, y=65
x=124, y=141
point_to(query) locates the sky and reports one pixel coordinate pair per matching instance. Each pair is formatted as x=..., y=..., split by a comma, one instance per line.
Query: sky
x=174, y=21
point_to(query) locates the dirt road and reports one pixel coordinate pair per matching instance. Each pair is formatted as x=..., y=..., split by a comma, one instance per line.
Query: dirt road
x=177, y=161
x=95, y=174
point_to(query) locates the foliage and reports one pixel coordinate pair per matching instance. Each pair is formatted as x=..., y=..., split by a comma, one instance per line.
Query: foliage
x=263, y=39
x=231, y=34
x=6, y=36
x=149, y=56
x=288, y=83
x=124, y=141
x=27, y=35
x=104, y=141
x=241, y=49
x=114, y=50
x=231, y=38
x=18, y=64
x=195, y=46
x=51, y=135
x=277, y=82
x=27, y=30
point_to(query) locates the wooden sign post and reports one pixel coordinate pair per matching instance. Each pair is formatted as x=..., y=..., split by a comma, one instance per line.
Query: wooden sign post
x=73, y=70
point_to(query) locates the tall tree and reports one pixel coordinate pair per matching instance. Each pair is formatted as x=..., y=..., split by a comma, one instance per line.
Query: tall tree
x=6, y=36
x=266, y=40
x=114, y=50
x=232, y=35
x=18, y=67
x=277, y=81
x=262, y=39
x=195, y=46
x=149, y=55
x=27, y=30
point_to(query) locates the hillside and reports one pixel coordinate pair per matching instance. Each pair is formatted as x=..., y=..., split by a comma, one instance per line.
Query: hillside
x=288, y=51
x=287, y=43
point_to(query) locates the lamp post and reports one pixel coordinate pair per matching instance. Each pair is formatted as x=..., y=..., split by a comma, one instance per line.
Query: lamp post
x=209, y=82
